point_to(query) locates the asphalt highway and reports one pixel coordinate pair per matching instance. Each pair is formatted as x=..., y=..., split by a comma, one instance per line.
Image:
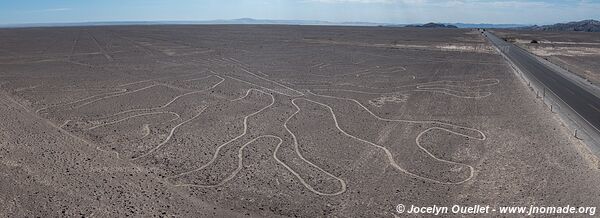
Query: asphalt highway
x=586, y=104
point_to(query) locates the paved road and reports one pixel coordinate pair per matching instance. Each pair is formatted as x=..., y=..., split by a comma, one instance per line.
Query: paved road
x=583, y=102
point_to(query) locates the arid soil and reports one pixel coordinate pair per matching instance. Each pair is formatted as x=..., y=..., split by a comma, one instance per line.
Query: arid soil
x=267, y=121
x=577, y=52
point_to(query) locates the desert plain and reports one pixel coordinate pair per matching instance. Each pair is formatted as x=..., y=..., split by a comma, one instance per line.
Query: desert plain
x=273, y=120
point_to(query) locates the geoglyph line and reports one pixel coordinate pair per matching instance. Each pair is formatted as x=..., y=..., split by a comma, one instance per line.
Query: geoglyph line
x=400, y=120
x=64, y=124
x=137, y=115
x=171, y=133
x=146, y=129
x=261, y=73
x=110, y=94
x=239, y=164
x=297, y=150
x=117, y=95
x=389, y=155
x=300, y=93
x=240, y=157
x=244, y=132
x=436, y=90
x=272, y=90
x=436, y=83
x=171, y=101
x=80, y=100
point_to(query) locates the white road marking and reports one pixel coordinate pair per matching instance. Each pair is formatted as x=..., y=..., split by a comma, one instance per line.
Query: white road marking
x=595, y=108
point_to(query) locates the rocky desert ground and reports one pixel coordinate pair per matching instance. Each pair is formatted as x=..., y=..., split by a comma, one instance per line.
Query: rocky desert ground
x=268, y=121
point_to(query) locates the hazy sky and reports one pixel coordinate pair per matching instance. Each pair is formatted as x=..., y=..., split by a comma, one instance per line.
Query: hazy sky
x=388, y=11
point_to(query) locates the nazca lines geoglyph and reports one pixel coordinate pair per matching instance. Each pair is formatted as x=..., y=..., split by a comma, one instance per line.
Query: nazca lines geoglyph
x=443, y=87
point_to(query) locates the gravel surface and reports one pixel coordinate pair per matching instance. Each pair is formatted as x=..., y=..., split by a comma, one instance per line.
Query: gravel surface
x=298, y=121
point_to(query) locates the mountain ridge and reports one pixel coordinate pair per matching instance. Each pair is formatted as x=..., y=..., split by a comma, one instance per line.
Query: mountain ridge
x=249, y=21
x=577, y=26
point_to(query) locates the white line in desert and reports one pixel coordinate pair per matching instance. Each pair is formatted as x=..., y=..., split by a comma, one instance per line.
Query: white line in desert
x=194, y=79
x=170, y=135
x=116, y=95
x=239, y=164
x=448, y=92
x=137, y=115
x=261, y=73
x=245, y=95
x=80, y=100
x=483, y=137
x=65, y=90
x=240, y=159
x=436, y=83
x=16, y=102
x=297, y=150
x=106, y=55
x=439, y=90
x=389, y=155
x=171, y=101
x=163, y=77
x=64, y=124
x=57, y=127
x=136, y=82
x=300, y=93
x=239, y=62
x=316, y=65
x=272, y=90
x=28, y=88
x=79, y=63
x=146, y=130
x=74, y=45
x=232, y=140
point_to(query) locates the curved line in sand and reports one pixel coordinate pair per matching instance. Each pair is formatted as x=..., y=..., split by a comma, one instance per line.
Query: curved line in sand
x=483, y=137
x=170, y=102
x=171, y=133
x=440, y=90
x=236, y=171
x=297, y=150
x=389, y=155
x=137, y=115
x=80, y=100
x=232, y=140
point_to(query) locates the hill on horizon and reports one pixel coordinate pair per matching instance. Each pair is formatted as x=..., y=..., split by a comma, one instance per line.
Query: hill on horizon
x=254, y=21
x=434, y=25
x=579, y=26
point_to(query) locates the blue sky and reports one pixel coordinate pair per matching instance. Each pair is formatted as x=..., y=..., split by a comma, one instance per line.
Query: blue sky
x=388, y=11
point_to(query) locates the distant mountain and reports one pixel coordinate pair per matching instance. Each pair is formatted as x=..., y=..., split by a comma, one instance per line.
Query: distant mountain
x=262, y=21
x=433, y=25
x=486, y=25
x=232, y=21
x=580, y=26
